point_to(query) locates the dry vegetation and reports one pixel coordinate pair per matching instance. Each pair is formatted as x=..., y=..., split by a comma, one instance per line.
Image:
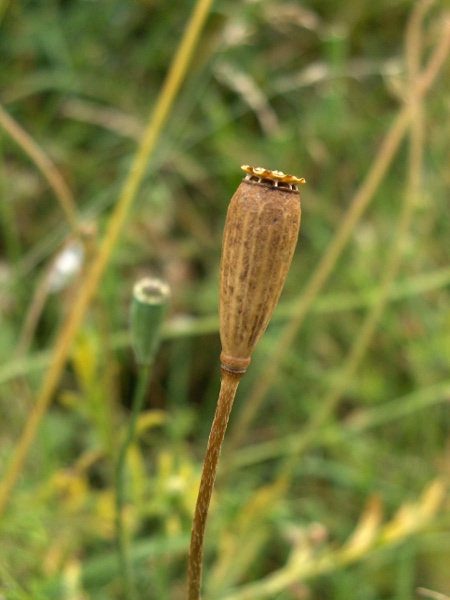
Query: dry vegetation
x=119, y=155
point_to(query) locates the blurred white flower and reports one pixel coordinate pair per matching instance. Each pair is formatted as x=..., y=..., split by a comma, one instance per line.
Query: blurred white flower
x=66, y=266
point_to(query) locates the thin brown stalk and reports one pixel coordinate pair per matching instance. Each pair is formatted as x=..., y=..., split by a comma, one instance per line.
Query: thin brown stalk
x=31, y=319
x=414, y=39
x=358, y=205
x=69, y=329
x=230, y=382
x=45, y=165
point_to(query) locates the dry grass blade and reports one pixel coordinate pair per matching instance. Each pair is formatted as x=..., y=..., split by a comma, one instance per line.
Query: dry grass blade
x=45, y=165
x=358, y=205
x=63, y=343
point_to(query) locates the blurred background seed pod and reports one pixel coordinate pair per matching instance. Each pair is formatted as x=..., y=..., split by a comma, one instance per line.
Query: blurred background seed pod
x=148, y=309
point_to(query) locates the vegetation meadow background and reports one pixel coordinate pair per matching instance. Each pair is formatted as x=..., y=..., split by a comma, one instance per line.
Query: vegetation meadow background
x=333, y=479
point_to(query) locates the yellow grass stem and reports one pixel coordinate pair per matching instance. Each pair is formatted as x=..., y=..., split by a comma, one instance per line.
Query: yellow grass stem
x=358, y=205
x=306, y=563
x=411, y=196
x=69, y=329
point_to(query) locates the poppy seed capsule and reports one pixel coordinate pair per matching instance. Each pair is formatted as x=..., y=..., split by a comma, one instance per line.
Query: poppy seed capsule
x=259, y=240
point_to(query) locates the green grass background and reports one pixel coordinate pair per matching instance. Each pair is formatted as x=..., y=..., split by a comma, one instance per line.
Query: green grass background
x=308, y=88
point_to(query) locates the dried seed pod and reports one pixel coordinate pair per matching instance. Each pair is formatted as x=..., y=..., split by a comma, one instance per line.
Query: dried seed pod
x=258, y=243
x=259, y=240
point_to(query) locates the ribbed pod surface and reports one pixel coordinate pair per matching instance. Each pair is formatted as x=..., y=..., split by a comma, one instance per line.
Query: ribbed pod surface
x=259, y=240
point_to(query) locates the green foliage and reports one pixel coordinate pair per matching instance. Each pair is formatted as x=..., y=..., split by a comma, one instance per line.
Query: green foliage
x=310, y=89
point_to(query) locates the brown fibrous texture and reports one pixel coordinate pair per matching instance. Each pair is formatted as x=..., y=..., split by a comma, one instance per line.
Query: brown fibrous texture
x=259, y=240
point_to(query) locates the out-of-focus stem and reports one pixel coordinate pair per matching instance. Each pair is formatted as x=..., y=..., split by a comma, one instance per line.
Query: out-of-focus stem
x=358, y=205
x=160, y=113
x=45, y=165
x=122, y=538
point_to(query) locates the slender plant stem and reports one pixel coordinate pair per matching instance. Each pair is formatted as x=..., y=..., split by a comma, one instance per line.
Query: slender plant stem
x=86, y=291
x=230, y=382
x=8, y=222
x=121, y=534
x=45, y=165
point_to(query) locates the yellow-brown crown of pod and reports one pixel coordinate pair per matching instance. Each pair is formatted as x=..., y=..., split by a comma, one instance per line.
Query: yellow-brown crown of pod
x=259, y=240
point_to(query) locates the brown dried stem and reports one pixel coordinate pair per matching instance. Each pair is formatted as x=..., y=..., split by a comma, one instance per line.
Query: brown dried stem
x=230, y=382
x=259, y=240
x=45, y=165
